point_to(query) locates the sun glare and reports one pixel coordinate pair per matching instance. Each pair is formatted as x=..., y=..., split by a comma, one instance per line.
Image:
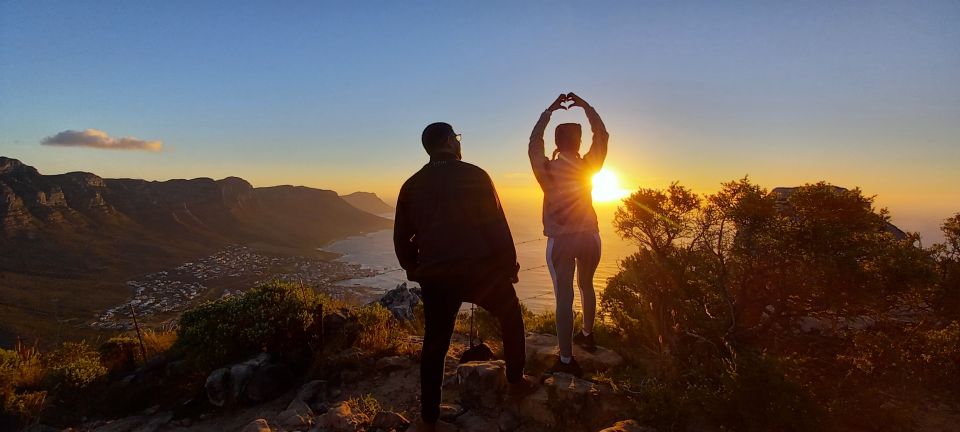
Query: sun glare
x=606, y=187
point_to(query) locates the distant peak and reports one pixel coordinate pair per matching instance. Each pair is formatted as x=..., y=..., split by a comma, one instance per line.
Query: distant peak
x=8, y=165
x=368, y=202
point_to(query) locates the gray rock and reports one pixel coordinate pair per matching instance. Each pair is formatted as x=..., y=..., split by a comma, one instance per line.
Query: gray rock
x=297, y=416
x=258, y=425
x=449, y=412
x=340, y=418
x=388, y=421
x=536, y=409
x=482, y=384
x=401, y=302
x=216, y=386
x=237, y=380
x=268, y=382
x=542, y=351
x=313, y=392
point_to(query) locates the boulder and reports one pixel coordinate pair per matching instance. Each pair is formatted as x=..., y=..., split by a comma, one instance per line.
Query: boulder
x=542, y=351
x=340, y=418
x=237, y=380
x=297, y=415
x=258, y=425
x=579, y=401
x=216, y=387
x=401, y=302
x=628, y=426
x=482, y=384
x=536, y=409
x=392, y=363
x=269, y=382
x=313, y=392
x=255, y=379
x=388, y=421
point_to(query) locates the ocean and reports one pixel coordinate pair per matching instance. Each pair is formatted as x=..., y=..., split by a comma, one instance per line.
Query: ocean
x=535, y=289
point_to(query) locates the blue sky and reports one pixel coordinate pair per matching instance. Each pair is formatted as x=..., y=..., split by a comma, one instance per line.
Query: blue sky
x=335, y=94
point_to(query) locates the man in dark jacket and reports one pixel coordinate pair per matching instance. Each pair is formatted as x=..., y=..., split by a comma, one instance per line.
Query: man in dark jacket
x=451, y=236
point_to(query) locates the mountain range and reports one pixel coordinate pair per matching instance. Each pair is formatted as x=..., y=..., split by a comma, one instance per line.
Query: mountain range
x=368, y=202
x=79, y=235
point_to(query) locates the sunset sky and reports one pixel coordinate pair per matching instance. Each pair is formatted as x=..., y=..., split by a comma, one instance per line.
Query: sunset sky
x=335, y=94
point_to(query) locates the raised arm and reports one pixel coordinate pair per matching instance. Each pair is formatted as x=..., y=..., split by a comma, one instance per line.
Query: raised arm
x=598, y=148
x=536, y=152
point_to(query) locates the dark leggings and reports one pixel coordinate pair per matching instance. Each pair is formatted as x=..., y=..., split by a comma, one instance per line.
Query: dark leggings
x=566, y=253
x=441, y=304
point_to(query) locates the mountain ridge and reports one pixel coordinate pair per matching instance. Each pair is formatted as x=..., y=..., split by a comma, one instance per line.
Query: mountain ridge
x=87, y=234
x=368, y=202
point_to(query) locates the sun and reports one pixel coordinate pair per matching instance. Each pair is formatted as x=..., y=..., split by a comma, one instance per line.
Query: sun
x=606, y=187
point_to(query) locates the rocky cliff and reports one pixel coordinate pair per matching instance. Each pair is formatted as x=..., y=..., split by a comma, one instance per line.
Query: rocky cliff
x=86, y=222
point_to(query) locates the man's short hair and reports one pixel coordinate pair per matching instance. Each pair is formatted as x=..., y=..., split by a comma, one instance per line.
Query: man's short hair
x=567, y=136
x=435, y=135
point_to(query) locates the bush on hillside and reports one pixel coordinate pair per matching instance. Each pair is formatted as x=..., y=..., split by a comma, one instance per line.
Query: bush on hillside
x=712, y=298
x=382, y=334
x=21, y=375
x=276, y=317
x=74, y=366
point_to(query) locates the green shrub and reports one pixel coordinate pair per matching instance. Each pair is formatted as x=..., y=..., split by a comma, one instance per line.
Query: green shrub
x=120, y=354
x=75, y=365
x=381, y=333
x=277, y=317
x=22, y=375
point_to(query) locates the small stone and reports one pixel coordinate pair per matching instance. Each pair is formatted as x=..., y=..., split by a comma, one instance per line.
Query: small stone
x=628, y=426
x=388, y=420
x=297, y=414
x=258, y=425
x=341, y=418
x=449, y=412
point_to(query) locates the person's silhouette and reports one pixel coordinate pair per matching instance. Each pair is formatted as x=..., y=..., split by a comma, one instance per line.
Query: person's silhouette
x=569, y=221
x=451, y=236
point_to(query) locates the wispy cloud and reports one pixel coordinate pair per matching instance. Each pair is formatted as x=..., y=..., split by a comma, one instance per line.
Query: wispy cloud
x=99, y=139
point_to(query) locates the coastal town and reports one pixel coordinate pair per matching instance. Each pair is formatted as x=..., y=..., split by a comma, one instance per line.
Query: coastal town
x=161, y=296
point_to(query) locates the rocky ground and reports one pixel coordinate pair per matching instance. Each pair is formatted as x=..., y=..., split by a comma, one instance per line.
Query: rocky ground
x=474, y=395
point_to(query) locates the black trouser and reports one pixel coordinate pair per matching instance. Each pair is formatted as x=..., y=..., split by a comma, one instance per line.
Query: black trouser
x=441, y=304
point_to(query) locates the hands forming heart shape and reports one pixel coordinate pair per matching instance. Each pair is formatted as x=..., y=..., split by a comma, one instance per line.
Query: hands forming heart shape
x=566, y=101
